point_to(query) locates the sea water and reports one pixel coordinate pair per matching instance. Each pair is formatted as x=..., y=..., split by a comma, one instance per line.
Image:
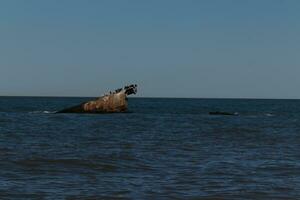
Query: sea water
x=160, y=149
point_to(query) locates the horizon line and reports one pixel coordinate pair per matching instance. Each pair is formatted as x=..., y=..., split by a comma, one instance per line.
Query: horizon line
x=154, y=97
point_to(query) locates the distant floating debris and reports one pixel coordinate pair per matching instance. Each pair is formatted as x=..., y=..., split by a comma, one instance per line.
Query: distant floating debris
x=224, y=113
x=113, y=102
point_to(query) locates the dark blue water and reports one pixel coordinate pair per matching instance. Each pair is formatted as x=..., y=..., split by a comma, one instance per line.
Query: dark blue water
x=162, y=149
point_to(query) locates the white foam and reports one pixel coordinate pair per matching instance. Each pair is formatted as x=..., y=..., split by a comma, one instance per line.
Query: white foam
x=42, y=112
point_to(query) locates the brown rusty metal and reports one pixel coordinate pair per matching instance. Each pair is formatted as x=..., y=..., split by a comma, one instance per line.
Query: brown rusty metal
x=110, y=103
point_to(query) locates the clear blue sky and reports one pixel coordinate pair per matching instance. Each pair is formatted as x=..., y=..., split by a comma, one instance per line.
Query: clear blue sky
x=170, y=48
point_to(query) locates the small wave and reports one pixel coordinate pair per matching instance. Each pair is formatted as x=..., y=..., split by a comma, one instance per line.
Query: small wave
x=42, y=112
x=269, y=115
x=48, y=112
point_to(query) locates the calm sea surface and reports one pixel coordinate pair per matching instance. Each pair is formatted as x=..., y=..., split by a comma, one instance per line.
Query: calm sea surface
x=162, y=149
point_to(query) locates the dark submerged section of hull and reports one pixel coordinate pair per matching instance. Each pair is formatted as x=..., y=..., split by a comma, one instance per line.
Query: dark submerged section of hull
x=74, y=109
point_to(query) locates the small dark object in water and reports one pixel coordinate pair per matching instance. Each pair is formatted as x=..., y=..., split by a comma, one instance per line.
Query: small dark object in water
x=223, y=113
x=114, y=102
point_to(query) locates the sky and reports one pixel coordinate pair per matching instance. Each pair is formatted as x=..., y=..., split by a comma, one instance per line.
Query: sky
x=170, y=48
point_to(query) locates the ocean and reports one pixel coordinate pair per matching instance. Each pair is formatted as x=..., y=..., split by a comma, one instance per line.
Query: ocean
x=160, y=149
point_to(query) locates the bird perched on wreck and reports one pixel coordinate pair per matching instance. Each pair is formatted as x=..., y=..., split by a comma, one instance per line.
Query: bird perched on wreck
x=114, y=102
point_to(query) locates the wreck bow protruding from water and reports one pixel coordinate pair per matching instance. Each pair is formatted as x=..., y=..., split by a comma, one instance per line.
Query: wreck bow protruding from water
x=113, y=102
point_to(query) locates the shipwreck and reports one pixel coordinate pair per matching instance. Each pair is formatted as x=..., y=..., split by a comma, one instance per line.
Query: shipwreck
x=113, y=102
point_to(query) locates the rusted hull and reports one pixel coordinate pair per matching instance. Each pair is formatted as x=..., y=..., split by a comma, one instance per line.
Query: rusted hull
x=111, y=103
